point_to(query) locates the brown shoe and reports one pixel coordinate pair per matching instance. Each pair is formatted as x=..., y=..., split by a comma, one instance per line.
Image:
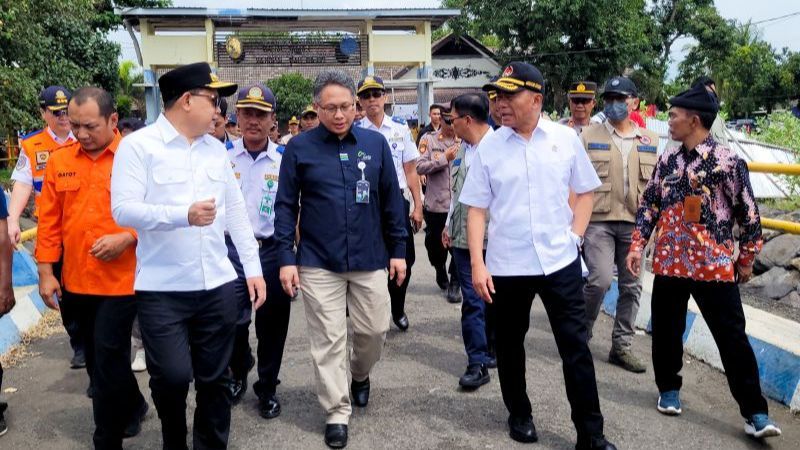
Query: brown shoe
x=626, y=360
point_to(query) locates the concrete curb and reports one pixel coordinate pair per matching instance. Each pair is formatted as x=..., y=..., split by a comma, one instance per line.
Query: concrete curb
x=775, y=341
x=29, y=308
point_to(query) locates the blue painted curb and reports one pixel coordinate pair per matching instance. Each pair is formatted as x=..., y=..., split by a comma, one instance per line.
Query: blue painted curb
x=29, y=307
x=778, y=368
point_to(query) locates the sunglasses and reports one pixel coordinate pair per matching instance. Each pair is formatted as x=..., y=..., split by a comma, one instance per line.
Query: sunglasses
x=372, y=93
x=59, y=113
x=580, y=101
x=447, y=119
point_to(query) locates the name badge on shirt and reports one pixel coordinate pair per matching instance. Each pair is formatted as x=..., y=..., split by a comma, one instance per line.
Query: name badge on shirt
x=648, y=148
x=599, y=146
x=362, y=191
x=266, y=208
x=344, y=157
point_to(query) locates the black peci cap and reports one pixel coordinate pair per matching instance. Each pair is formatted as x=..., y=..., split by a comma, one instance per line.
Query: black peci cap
x=696, y=98
x=192, y=76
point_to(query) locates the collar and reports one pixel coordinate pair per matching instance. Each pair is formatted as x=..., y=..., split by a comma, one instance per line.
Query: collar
x=327, y=136
x=366, y=123
x=637, y=132
x=58, y=140
x=543, y=126
x=169, y=133
x=112, y=146
x=704, y=148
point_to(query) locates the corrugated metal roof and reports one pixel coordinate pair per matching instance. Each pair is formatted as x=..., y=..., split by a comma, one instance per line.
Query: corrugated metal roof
x=764, y=185
x=439, y=14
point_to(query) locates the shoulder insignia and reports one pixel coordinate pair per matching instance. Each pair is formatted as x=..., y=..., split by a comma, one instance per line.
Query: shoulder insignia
x=456, y=162
x=229, y=145
x=281, y=149
x=32, y=134
x=599, y=146
x=648, y=148
x=399, y=120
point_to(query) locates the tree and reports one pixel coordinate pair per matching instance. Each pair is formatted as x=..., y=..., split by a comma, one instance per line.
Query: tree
x=42, y=45
x=293, y=93
x=129, y=96
x=567, y=41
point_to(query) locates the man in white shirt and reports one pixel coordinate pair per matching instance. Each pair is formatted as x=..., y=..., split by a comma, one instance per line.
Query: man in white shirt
x=522, y=177
x=372, y=98
x=256, y=165
x=173, y=183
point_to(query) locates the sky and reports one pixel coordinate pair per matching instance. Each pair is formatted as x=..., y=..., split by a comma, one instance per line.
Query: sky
x=780, y=33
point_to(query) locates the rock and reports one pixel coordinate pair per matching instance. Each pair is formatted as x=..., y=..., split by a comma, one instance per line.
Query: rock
x=778, y=252
x=775, y=283
x=795, y=263
x=793, y=299
x=768, y=234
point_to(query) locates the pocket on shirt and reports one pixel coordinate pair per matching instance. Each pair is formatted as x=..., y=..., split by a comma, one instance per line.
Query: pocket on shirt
x=601, y=163
x=602, y=199
x=645, y=173
x=170, y=175
x=67, y=184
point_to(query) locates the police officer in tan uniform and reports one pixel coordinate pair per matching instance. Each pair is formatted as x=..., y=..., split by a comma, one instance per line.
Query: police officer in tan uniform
x=581, y=103
x=623, y=155
x=438, y=149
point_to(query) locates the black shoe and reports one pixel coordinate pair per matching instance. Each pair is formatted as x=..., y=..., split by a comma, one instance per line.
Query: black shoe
x=78, y=360
x=90, y=391
x=596, y=444
x=401, y=322
x=336, y=435
x=453, y=292
x=491, y=362
x=521, y=429
x=441, y=278
x=135, y=426
x=475, y=377
x=237, y=388
x=360, y=391
x=269, y=407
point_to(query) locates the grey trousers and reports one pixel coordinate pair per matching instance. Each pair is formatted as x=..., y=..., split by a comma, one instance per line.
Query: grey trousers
x=606, y=244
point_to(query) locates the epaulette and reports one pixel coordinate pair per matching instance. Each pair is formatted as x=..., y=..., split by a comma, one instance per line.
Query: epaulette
x=399, y=120
x=280, y=149
x=31, y=134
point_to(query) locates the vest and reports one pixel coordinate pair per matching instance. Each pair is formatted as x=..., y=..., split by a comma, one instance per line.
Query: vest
x=458, y=220
x=610, y=201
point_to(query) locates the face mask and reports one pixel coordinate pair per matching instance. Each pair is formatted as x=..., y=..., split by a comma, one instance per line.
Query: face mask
x=616, y=111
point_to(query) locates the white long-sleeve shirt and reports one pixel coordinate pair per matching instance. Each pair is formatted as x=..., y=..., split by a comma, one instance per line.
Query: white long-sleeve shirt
x=157, y=176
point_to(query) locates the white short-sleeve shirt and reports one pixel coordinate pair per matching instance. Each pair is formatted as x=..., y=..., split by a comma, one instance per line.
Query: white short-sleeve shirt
x=259, y=182
x=525, y=186
x=401, y=143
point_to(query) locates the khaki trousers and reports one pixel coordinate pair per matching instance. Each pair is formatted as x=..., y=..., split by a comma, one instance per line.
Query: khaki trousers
x=326, y=296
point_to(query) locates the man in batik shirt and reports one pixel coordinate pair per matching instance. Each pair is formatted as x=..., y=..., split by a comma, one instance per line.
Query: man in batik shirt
x=697, y=192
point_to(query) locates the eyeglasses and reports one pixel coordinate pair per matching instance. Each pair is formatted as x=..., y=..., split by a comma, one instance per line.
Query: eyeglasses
x=59, y=113
x=374, y=93
x=216, y=100
x=581, y=101
x=333, y=109
x=454, y=118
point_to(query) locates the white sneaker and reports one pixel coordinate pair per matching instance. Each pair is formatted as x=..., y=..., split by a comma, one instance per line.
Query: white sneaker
x=139, y=364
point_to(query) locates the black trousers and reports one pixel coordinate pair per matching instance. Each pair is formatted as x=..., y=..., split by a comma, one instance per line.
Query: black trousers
x=437, y=254
x=106, y=324
x=398, y=293
x=70, y=315
x=272, y=321
x=561, y=293
x=721, y=306
x=189, y=335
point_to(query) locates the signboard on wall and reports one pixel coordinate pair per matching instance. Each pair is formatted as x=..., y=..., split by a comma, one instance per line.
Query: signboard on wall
x=290, y=50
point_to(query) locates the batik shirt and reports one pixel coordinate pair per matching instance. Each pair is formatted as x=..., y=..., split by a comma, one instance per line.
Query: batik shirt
x=702, y=250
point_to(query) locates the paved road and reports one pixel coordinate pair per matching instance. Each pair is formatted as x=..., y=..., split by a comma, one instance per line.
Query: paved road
x=415, y=401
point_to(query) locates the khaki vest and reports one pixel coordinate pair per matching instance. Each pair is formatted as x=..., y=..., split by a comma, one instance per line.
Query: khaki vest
x=610, y=202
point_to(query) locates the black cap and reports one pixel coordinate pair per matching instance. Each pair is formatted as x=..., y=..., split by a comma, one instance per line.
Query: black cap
x=620, y=85
x=370, y=82
x=223, y=107
x=582, y=89
x=696, y=98
x=256, y=96
x=517, y=76
x=54, y=98
x=192, y=76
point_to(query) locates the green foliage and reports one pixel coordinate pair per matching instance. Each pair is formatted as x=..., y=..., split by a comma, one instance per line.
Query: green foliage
x=130, y=98
x=293, y=93
x=42, y=44
x=567, y=41
x=783, y=129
